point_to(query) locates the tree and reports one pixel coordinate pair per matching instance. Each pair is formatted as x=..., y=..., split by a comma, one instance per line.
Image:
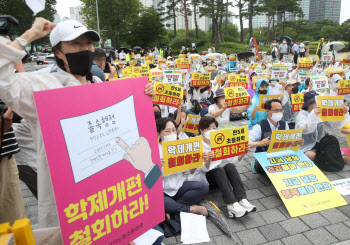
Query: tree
x=181, y=8
x=195, y=4
x=267, y=8
x=167, y=10
x=241, y=5
x=251, y=14
x=290, y=6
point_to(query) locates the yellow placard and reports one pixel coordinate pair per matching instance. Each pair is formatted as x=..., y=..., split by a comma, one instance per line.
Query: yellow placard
x=212, y=57
x=181, y=155
x=229, y=142
x=305, y=62
x=181, y=56
x=183, y=63
x=144, y=74
x=132, y=62
x=167, y=94
x=277, y=65
x=236, y=96
x=126, y=72
x=200, y=79
x=282, y=140
x=211, y=68
x=238, y=78
x=191, y=124
x=297, y=102
x=263, y=98
x=150, y=57
x=140, y=69
x=336, y=70
x=344, y=87
x=161, y=61
x=121, y=63
x=256, y=78
x=332, y=108
x=346, y=59
x=148, y=62
x=221, y=78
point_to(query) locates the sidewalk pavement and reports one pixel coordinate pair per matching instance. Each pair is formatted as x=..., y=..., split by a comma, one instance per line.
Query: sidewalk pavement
x=271, y=224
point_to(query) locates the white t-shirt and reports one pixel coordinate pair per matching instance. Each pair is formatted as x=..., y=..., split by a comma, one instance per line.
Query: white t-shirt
x=224, y=119
x=301, y=48
x=275, y=90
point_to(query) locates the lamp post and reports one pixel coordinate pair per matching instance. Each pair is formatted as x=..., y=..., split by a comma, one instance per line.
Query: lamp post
x=98, y=24
x=260, y=36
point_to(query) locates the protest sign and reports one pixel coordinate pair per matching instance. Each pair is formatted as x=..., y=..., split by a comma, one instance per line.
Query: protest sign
x=302, y=187
x=277, y=65
x=332, y=108
x=288, y=58
x=233, y=58
x=238, y=80
x=229, y=142
x=143, y=74
x=212, y=58
x=343, y=186
x=327, y=57
x=150, y=57
x=279, y=73
x=191, y=124
x=297, y=102
x=183, y=63
x=263, y=98
x=167, y=94
x=281, y=140
x=140, y=69
x=200, y=79
x=305, y=63
x=346, y=59
x=211, y=68
x=255, y=80
x=302, y=76
x=132, y=62
x=121, y=63
x=221, y=78
x=320, y=82
x=181, y=155
x=137, y=56
x=126, y=72
x=182, y=56
x=173, y=76
x=262, y=74
x=81, y=146
x=161, y=61
x=336, y=70
x=236, y=96
x=344, y=87
x=268, y=58
x=148, y=62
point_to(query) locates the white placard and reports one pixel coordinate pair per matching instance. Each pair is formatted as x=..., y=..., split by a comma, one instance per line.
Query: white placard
x=172, y=76
x=279, y=73
x=320, y=82
x=342, y=186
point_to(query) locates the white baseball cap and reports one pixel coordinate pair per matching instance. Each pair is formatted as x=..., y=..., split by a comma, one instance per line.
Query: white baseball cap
x=69, y=30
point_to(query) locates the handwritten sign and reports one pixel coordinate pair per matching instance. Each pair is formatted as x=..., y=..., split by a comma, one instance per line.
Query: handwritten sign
x=183, y=63
x=285, y=140
x=167, y=94
x=346, y=59
x=263, y=98
x=236, y=96
x=336, y=70
x=332, y=108
x=344, y=87
x=181, y=155
x=297, y=102
x=200, y=79
x=191, y=124
x=305, y=63
x=172, y=76
x=229, y=142
x=320, y=82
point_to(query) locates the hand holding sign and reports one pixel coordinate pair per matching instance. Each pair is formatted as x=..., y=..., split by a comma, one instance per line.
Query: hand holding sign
x=265, y=141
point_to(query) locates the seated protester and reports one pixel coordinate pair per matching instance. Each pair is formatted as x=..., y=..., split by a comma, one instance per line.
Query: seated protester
x=194, y=96
x=179, y=195
x=259, y=137
x=290, y=87
x=180, y=117
x=314, y=127
x=225, y=178
x=318, y=69
x=220, y=111
x=274, y=87
x=157, y=111
x=254, y=115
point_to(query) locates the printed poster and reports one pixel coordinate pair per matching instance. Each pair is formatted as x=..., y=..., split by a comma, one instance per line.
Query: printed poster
x=172, y=76
x=346, y=59
x=343, y=186
x=263, y=98
x=191, y=124
x=303, y=188
x=167, y=94
x=332, y=108
x=279, y=73
x=305, y=63
x=183, y=63
x=236, y=96
x=238, y=80
x=140, y=69
x=200, y=79
x=181, y=155
x=320, y=82
x=302, y=76
x=297, y=102
x=336, y=70
x=105, y=154
x=281, y=140
x=344, y=87
x=327, y=57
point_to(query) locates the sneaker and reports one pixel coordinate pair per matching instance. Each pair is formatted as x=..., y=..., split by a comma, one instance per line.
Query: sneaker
x=245, y=204
x=236, y=210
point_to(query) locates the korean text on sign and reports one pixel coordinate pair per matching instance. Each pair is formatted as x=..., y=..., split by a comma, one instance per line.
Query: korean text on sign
x=143, y=74
x=181, y=155
x=238, y=78
x=167, y=94
x=285, y=140
x=279, y=73
x=327, y=57
x=302, y=76
x=288, y=58
x=297, y=102
x=336, y=70
x=211, y=68
x=332, y=108
x=172, y=76
x=132, y=62
x=183, y=63
x=346, y=59
x=221, y=78
x=191, y=124
x=200, y=79
x=319, y=82
x=256, y=78
x=263, y=98
x=161, y=61
x=236, y=96
x=305, y=62
x=344, y=87
x=140, y=69
x=229, y=142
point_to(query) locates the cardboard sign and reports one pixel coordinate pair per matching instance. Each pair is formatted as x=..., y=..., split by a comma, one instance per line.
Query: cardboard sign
x=332, y=108
x=83, y=153
x=172, y=76
x=183, y=63
x=121, y=63
x=344, y=87
x=297, y=102
x=211, y=68
x=281, y=140
x=238, y=78
x=191, y=124
x=336, y=70
x=305, y=62
x=263, y=98
x=132, y=62
x=320, y=82
x=288, y=58
x=279, y=73
x=144, y=74
x=140, y=69
x=200, y=79
x=255, y=80
x=181, y=155
x=221, y=78
x=161, y=61
x=167, y=94
x=327, y=57
x=229, y=142
x=346, y=59
x=236, y=96
x=182, y=56
x=302, y=187
x=302, y=76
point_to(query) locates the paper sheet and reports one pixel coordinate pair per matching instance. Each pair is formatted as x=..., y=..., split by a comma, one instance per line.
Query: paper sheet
x=90, y=138
x=36, y=5
x=148, y=238
x=193, y=228
x=342, y=186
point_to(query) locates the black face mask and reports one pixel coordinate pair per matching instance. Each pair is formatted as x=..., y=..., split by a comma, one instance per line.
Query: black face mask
x=79, y=63
x=262, y=91
x=157, y=114
x=295, y=90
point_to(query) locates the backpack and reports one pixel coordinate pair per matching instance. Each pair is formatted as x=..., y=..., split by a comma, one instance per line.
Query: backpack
x=328, y=155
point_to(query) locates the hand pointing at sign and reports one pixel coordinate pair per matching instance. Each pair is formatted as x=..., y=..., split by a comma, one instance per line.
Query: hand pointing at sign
x=140, y=156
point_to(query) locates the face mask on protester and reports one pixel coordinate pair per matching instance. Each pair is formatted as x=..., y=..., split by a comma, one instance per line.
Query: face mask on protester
x=222, y=101
x=284, y=42
x=207, y=134
x=274, y=83
x=295, y=90
x=170, y=137
x=276, y=117
x=79, y=63
x=262, y=91
x=319, y=70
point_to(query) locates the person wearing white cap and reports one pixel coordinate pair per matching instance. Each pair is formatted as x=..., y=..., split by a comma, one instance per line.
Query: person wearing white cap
x=73, y=49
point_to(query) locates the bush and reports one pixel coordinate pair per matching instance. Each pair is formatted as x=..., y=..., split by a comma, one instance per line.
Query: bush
x=178, y=42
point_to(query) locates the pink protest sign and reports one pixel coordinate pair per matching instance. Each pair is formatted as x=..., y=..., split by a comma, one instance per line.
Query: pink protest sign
x=103, y=155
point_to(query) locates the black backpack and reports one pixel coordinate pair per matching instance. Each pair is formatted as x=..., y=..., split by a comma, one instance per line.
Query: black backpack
x=328, y=155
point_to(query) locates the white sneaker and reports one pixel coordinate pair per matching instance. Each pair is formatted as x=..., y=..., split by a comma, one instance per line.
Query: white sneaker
x=236, y=210
x=245, y=204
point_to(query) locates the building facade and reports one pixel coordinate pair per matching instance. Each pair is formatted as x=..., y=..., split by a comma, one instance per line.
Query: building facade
x=75, y=14
x=324, y=9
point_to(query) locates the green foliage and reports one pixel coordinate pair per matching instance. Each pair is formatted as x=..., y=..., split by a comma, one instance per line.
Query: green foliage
x=178, y=42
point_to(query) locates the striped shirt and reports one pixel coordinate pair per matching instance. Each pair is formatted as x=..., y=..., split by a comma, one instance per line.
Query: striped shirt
x=9, y=143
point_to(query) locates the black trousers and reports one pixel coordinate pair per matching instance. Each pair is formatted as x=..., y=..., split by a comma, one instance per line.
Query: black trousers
x=229, y=183
x=29, y=177
x=296, y=59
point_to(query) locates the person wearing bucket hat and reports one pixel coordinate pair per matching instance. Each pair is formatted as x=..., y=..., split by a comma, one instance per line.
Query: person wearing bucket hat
x=73, y=49
x=288, y=88
x=220, y=111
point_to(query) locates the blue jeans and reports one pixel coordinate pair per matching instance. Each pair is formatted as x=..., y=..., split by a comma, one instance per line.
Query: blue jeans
x=202, y=113
x=161, y=238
